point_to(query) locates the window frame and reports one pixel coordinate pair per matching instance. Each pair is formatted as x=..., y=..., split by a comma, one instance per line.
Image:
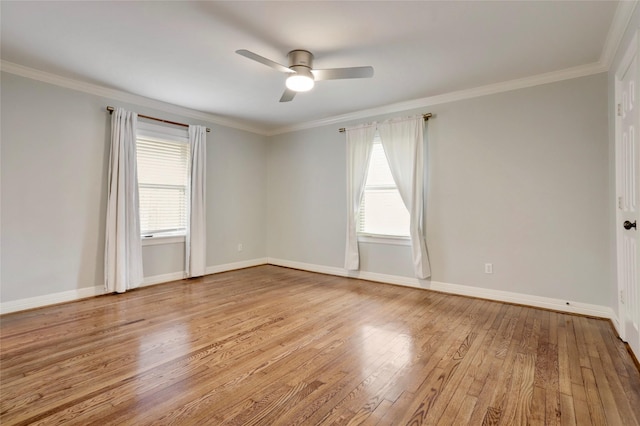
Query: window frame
x=164, y=134
x=159, y=239
x=394, y=240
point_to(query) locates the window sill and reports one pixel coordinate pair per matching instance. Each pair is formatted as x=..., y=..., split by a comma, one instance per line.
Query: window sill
x=384, y=239
x=162, y=239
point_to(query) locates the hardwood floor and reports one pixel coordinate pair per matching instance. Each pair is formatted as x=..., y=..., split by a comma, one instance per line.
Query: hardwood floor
x=275, y=346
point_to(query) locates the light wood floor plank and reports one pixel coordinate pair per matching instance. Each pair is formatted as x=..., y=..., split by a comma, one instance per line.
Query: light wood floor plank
x=553, y=410
x=579, y=404
x=594, y=401
x=569, y=413
x=276, y=346
x=538, y=407
x=498, y=389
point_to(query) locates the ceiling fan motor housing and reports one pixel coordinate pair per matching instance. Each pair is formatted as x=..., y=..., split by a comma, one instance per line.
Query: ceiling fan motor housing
x=302, y=58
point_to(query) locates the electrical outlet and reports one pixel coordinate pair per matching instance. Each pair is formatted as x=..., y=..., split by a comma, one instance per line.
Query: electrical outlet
x=488, y=268
x=239, y=246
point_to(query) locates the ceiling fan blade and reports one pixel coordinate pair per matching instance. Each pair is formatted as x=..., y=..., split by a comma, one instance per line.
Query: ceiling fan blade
x=340, y=73
x=263, y=60
x=287, y=95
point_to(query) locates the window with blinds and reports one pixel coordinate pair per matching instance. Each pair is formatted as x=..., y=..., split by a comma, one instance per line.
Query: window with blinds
x=382, y=211
x=163, y=170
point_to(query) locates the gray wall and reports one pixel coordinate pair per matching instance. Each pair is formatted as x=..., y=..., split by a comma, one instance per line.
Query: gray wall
x=55, y=150
x=517, y=179
x=237, y=196
x=306, y=197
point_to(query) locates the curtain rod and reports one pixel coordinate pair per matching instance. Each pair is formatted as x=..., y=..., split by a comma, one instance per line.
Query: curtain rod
x=424, y=116
x=111, y=109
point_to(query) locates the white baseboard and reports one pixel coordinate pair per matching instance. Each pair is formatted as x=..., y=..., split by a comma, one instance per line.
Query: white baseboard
x=483, y=293
x=616, y=323
x=463, y=290
x=83, y=293
x=329, y=270
x=525, y=299
x=164, y=278
x=341, y=272
x=236, y=265
x=176, y=276
x=49, y=299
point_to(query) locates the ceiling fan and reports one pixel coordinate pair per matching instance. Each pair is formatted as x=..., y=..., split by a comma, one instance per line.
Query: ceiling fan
x=301, y=73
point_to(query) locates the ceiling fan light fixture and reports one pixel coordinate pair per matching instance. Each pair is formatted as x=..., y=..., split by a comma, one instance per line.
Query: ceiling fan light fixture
x=301, y=75
x=301, y=81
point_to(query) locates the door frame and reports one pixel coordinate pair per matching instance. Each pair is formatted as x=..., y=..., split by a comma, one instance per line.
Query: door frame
x=630, y=54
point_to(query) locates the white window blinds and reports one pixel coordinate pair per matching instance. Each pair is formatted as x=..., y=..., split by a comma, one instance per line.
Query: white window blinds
x=382, y=211
x=163, y=170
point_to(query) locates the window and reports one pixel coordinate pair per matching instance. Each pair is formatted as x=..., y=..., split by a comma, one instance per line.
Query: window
x=163, y=170
x=382, y=211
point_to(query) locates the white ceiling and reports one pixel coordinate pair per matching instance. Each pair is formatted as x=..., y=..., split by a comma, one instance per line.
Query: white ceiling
x=183, y=53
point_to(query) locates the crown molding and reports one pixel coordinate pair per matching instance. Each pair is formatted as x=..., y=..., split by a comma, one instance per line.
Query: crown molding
x=621, y=19
x=119, y=95
x=619, y=25
x=122, y=96
x=490, y=89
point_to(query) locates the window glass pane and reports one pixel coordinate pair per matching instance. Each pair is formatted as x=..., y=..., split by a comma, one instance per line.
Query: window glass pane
x=382, y=211
x=379, y=172
x=162, y=162
x=162, y=209
x=385, y=213
x=162, y=182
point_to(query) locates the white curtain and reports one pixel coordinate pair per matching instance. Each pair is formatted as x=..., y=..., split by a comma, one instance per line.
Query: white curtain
x=359, y=147
x=196, y=238
x=123, y=250
x=402, y=140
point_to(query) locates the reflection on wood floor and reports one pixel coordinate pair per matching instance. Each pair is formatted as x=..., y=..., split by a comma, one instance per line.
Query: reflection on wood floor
x=269, y=345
